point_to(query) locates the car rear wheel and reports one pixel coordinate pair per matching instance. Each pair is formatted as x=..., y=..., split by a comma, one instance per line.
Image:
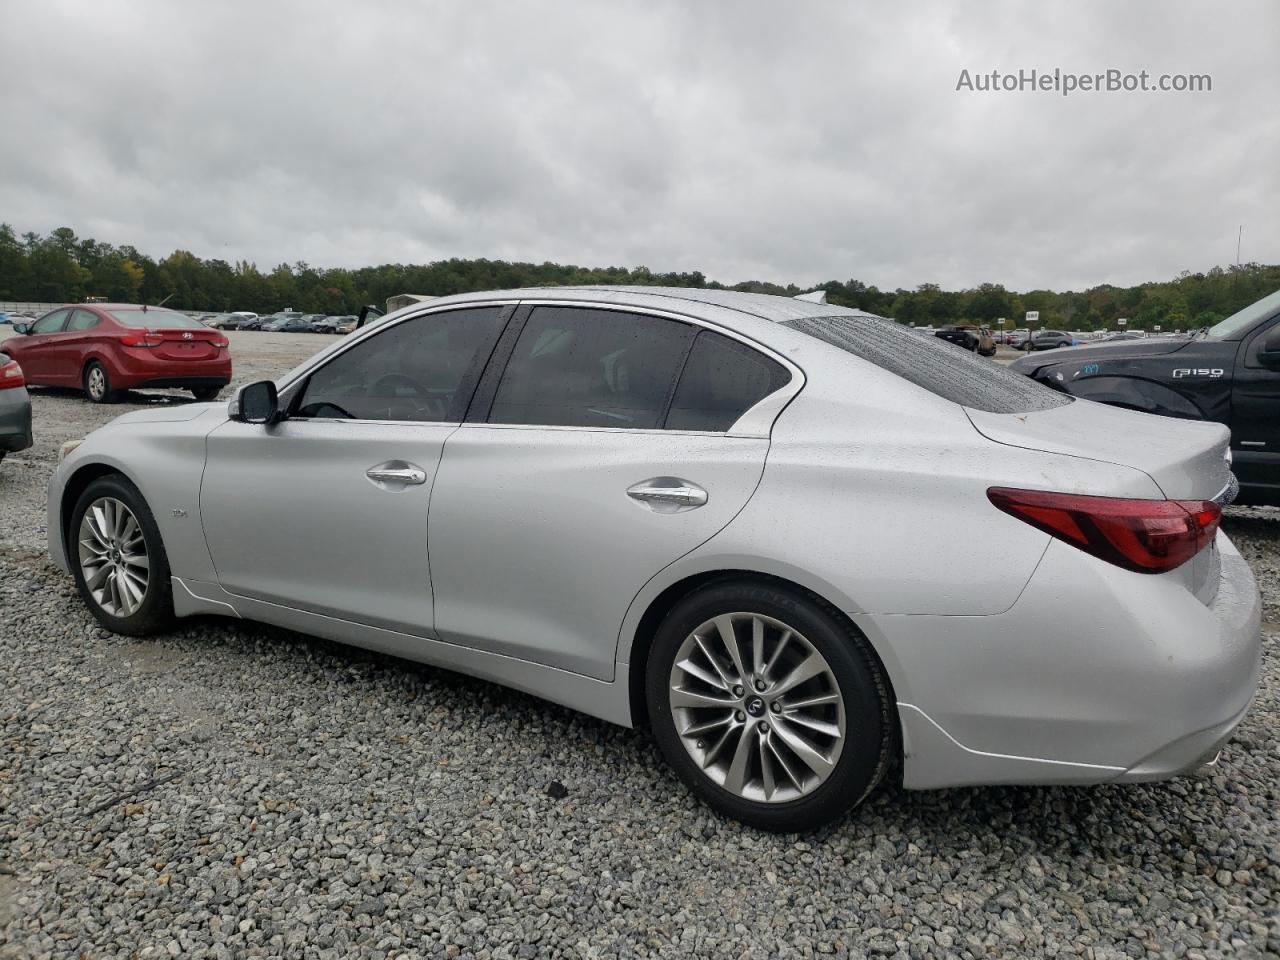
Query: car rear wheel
x=97, y=385
x=119, y=561
x=205, y=394
x=770, y=707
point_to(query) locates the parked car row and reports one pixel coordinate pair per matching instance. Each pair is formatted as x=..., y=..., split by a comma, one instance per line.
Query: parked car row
x=286, y=321
x=976, y=339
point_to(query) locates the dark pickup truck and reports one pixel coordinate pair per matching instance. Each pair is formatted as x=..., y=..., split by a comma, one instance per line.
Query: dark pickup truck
x=1229, y=373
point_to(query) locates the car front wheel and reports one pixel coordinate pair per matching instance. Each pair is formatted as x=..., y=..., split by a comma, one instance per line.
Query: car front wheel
x=119, y=561
x=769, y=705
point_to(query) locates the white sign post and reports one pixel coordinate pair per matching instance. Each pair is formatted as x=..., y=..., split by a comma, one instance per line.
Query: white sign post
x=1033, y=316
x=1123, y=322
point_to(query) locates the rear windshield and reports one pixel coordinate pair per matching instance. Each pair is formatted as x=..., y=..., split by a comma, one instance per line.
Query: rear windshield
x=942, y=368
x=156, y=319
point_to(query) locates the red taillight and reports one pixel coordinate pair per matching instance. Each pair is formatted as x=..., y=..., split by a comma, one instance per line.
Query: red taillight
x=1147, y=536
x=11, y=375
x=220, y=343
x=141, y=338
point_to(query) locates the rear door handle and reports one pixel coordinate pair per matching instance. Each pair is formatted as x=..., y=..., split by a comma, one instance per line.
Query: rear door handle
x=668, y=494
x=397, y=474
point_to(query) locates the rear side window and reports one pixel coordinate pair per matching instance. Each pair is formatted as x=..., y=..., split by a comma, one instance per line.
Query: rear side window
x=591, y=368
x=722, y=380
x=941, y=368
x=82, y=320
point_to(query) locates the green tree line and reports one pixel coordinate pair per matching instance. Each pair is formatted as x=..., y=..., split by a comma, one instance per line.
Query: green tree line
x=62, y=268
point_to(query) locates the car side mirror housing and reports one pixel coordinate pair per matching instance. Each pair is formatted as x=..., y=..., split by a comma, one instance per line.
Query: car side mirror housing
x=1269, y=355
x=21, y=327
x=255, y=403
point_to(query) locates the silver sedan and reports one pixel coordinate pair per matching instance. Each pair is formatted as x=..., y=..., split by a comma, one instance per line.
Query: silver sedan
x=809, y=548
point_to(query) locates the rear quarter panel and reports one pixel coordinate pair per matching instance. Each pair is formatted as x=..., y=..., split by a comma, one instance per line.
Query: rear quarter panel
x=877, y=502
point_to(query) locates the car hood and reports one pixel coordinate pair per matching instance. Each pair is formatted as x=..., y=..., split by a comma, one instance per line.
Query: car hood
x=1186, y=458
x=174, y=414
x=1120, y=350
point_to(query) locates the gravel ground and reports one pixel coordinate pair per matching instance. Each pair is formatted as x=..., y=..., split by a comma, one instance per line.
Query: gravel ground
x=235, y=790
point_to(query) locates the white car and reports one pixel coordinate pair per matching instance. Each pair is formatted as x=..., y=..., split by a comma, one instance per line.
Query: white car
x=805, y=544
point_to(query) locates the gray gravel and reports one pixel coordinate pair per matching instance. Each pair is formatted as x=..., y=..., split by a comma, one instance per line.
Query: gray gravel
x=235, y=790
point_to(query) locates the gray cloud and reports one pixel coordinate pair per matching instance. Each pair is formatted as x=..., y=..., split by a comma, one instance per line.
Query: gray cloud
x=751, y=140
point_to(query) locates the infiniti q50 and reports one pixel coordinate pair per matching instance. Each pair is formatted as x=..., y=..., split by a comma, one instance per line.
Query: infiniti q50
x=809, y=548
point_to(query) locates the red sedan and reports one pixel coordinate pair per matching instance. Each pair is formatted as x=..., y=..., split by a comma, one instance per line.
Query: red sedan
x=104, y=348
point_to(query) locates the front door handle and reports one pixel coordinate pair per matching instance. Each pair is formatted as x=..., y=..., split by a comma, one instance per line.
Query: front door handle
x=397, y=474
x=668, y=494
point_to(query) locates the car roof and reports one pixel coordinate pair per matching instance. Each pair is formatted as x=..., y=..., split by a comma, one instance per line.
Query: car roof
x=762, y=306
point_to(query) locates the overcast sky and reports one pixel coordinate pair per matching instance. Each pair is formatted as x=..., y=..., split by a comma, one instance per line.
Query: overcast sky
x=780, y=141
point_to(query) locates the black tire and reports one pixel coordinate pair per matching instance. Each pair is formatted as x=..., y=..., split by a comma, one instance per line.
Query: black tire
x=155, y=613
x=205, y=394
x=89, y=382
x=870, y=740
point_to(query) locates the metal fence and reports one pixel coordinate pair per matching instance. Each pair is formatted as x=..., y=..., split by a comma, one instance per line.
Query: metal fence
x=23, y=306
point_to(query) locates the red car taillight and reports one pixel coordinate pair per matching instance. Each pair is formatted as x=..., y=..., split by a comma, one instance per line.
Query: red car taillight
x=11, y=375
x=1147, y=536
x=141, y=338
x=220, y=343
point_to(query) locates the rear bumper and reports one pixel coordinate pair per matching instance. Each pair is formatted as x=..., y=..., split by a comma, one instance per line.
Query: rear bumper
x=1094, y=675
x=182, y=383
x=15, y=420
x=1186, y=754
x=138, y=368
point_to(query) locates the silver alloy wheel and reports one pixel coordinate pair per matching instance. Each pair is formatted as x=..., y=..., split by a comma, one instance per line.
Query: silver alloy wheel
x=113, y=557
x=97, y=383
x=757, y=707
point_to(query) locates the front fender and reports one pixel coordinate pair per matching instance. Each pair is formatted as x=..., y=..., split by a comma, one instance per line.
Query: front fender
x=164, y=459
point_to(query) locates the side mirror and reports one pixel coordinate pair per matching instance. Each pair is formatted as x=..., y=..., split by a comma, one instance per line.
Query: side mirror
x=1269, y=354
x=255, y=403
x=21, y=327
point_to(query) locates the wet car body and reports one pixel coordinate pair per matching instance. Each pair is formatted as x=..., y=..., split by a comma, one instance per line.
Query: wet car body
x=553, y=489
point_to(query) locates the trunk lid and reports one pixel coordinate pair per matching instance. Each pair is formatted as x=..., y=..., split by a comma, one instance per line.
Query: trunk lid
x=1186, y=458
x=187, y=344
